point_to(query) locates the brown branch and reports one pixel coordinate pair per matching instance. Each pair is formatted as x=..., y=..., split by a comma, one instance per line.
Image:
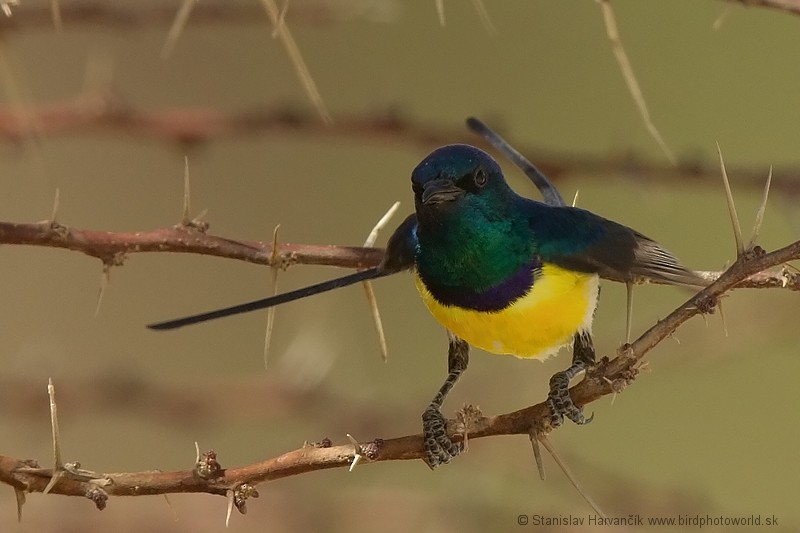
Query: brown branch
x=188, y=126
x=787, y=6
x=138, y=16
x=208, y=476
x=112, y=248
x=134, y=16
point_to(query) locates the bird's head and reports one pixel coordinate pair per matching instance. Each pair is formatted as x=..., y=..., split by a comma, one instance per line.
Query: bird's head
x=458, y=178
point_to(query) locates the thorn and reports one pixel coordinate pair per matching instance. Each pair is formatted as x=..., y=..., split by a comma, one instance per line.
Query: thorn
x=275, y=267
x=358, y=452
x=480, y=7
x=281, y=19
x=55, y=14
x=613, y=389
x=178, y=24
x=722, y=316
x=567, y=472
x=371, y=299
x=373, y=235
x=7, y=5
x=187, y=194
x=721, y=18
x=20, y=502
x=376, y=320
x=171, y=508
x=737, y=229
x=99, y=73
x=537, y=453
x=56, y=202
x=630, y=78
x=105, y=278
x=440, y=12
x=196, y=452
x=285, y=36
x=58, y=465
x=575, y=198
x=629, y=316
x=761, y=209
x=229, y=493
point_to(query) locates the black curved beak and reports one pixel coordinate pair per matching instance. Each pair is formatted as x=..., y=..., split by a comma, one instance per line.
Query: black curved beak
x=441, y=190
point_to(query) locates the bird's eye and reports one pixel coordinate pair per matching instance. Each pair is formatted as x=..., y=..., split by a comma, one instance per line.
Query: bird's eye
x=480, y=177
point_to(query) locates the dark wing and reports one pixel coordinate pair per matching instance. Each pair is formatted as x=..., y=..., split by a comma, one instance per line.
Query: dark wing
x=401, y=250
x=579, y=240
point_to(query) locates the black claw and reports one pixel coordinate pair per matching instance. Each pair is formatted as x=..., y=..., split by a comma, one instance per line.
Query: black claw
x=559, y=401
x=439, y=448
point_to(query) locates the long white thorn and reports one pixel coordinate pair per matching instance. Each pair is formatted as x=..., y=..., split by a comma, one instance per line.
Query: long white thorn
x=628, y=75
x=371, y=300
x=187, y=193
x=274, y=282
x=105, y=277
x=761, y=209
x=483, y=13
x=737, y=228
x=178, y=24
x=440, y=12
x=570, y=476
x=58, y=465
x=56, y=202
x=629, y=315
x=537, y=454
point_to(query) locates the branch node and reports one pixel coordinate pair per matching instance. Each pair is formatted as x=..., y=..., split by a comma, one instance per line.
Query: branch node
x=705, y=305
x=98, y=496
x=372, y=450
x=466, y=419
x=241, y=495
x=358, y=452
x=207, y=466
x=324, y=443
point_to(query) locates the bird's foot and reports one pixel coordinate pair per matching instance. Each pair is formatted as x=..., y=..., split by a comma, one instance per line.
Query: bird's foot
x=559, y=401
x=439, y=448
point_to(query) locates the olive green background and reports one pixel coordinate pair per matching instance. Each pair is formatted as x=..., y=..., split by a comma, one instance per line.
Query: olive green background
x=712, y=429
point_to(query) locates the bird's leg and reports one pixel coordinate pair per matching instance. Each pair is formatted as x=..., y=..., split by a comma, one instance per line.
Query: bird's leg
x=439, y=449
x=559, y=400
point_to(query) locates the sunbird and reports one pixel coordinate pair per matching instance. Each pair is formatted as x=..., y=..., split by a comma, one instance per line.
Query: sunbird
x=501, y=272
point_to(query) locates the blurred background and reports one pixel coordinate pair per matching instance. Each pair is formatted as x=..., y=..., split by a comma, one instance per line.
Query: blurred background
x=710, y=429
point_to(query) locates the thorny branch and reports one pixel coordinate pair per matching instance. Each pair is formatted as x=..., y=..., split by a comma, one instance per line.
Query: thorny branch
x=190, y=126
x=608, y=376
x=112, y=248
x=136, y=16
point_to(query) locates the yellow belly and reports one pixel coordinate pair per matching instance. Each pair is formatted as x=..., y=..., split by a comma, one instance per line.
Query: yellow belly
x=537, y=325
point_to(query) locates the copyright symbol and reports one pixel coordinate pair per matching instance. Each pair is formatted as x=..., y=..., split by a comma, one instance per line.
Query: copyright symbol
x=522, y=520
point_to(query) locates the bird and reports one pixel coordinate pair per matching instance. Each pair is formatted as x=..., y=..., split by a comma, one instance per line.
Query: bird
x=501, y=272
